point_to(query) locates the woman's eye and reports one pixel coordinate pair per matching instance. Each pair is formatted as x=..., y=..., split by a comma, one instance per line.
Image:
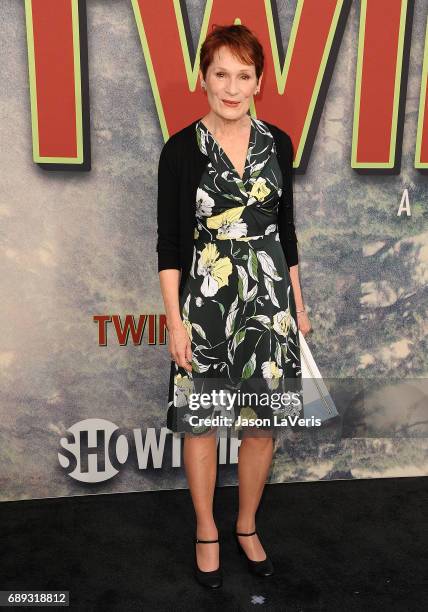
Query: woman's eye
x=221, y=74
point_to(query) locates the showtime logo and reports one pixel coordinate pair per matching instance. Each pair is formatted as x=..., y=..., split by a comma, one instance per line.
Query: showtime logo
x=96, y=449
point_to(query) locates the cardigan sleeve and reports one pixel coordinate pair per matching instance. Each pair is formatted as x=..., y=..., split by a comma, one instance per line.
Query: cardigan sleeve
x=168, y=238
x=286, y=227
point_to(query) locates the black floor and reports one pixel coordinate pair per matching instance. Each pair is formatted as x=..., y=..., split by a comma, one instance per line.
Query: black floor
x=336, y=546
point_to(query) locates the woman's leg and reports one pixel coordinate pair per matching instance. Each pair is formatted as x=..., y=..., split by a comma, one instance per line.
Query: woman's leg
x=200, y=462
x=254, y=461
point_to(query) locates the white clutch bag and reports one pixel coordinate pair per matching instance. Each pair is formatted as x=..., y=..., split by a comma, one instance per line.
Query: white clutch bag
x=317, y=401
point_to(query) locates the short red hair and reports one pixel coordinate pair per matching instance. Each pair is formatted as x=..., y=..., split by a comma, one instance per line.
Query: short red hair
x=240, y=41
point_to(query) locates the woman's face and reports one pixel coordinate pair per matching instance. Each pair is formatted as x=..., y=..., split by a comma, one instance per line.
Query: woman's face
x=227, y=79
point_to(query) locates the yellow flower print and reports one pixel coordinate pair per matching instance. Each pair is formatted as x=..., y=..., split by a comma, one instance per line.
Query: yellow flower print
x=272, y=373
x=196, y=233
x=260, y=190
x=215, y=270
x=282, y=322
x=229, y=223
x=248, y=413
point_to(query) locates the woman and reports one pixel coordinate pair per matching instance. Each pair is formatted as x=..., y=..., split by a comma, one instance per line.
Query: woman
x=225, y=220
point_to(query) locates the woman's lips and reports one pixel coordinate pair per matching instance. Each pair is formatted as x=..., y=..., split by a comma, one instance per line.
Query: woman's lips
x=230, y=103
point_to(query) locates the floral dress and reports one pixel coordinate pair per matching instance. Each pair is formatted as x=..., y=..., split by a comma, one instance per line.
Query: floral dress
x=237, y=304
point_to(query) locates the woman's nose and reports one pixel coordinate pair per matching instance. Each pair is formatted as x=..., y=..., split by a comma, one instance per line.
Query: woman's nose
x=232, y=87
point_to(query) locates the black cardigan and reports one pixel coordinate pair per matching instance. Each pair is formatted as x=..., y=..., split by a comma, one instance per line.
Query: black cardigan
x=180, y=169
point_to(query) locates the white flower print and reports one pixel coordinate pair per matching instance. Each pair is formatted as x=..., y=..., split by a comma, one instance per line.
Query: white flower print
x=229, y=224
x=183, y=386
x=235, y=229
x=282, y=322
x=204, y=203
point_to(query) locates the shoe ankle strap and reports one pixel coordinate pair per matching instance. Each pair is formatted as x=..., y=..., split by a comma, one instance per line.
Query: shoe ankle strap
x=246, y=534
x=198, y=541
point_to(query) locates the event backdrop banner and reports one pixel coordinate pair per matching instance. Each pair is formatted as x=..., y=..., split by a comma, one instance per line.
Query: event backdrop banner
x=91, y=92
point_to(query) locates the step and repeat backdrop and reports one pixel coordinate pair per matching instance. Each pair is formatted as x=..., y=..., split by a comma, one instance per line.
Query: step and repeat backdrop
x=92, y=89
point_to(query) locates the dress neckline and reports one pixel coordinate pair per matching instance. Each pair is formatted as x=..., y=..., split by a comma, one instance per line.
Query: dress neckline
x=250, y=140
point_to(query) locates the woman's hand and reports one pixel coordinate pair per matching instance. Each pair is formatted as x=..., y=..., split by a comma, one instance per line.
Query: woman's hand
x=180, y=346
x=303, y=322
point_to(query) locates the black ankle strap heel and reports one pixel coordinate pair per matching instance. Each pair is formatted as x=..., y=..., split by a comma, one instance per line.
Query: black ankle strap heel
x=260, y=568
x=197, y=541
x=212, y=579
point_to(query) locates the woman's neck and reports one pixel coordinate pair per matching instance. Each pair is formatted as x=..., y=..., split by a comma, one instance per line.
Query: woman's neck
x=220, y=126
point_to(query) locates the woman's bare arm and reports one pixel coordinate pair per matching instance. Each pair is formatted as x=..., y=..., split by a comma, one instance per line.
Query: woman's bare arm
x=302, y=317
x=179, y=341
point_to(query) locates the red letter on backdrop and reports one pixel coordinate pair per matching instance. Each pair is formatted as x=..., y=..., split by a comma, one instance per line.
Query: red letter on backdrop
x=58, y=74
x=382, y=66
